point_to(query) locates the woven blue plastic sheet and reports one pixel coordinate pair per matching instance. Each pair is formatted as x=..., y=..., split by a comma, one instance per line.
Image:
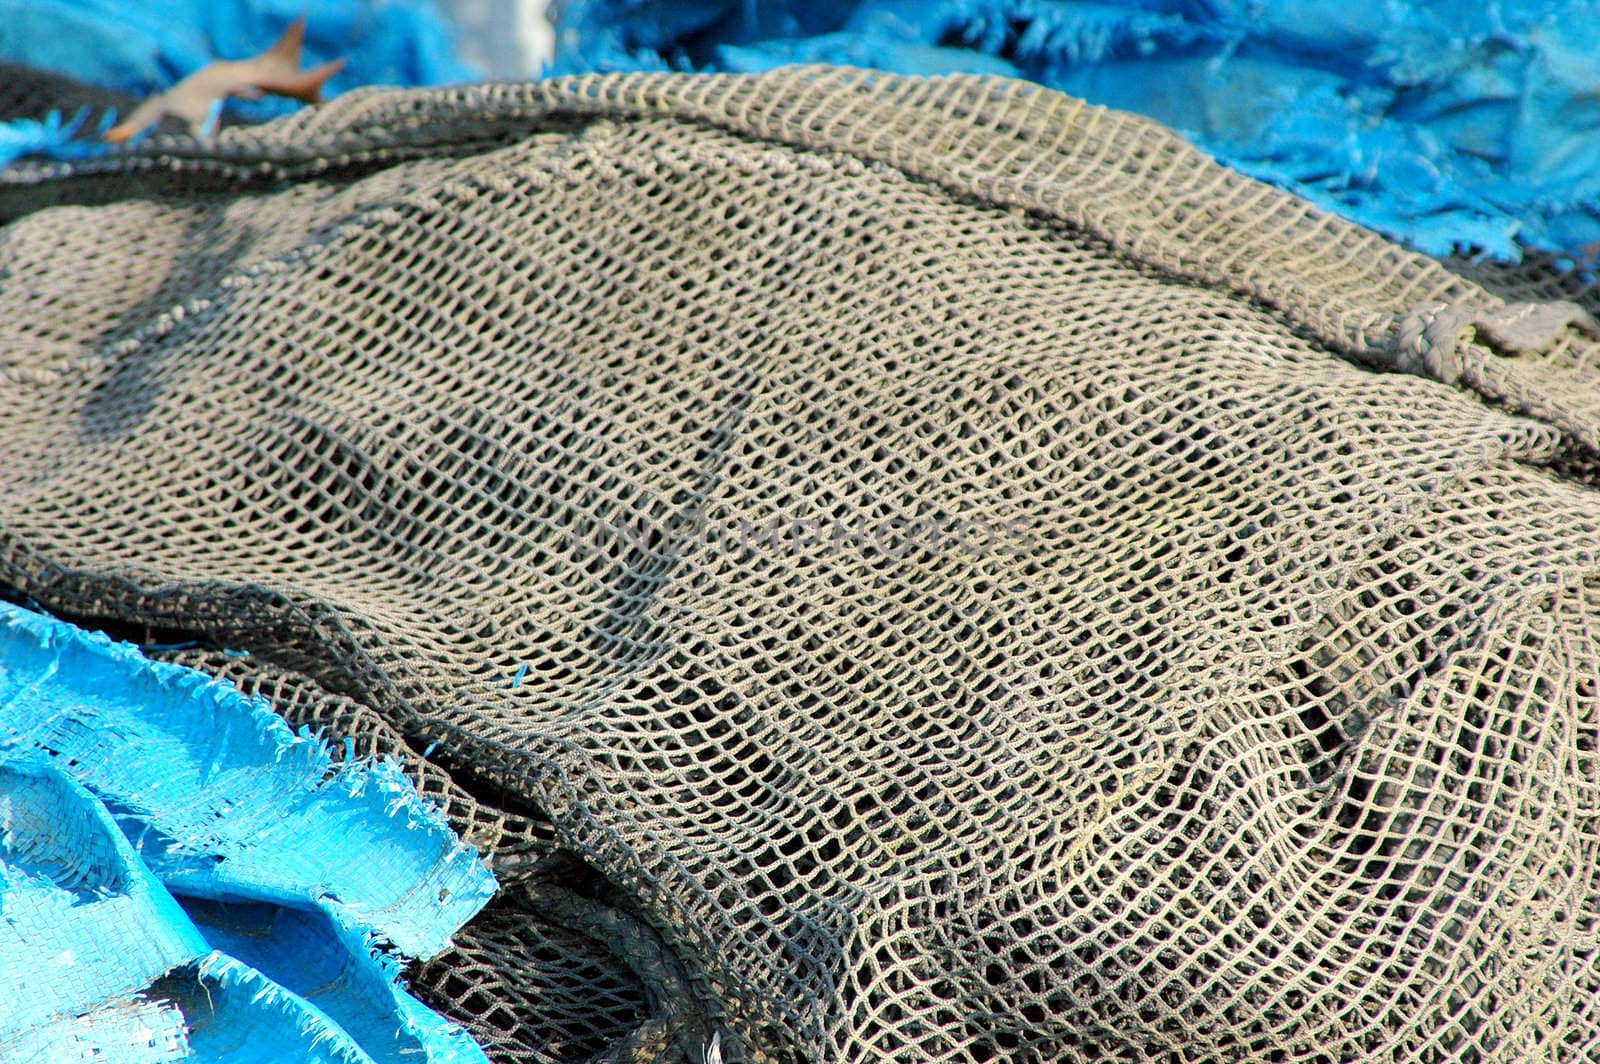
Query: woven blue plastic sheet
x=1447, y=124
x=182, y=876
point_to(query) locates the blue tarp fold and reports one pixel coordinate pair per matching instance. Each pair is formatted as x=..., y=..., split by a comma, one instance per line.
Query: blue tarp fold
x=166, y=841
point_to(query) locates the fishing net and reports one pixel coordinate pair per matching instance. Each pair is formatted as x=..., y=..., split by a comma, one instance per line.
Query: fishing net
x=891, y=569
x=27, y=92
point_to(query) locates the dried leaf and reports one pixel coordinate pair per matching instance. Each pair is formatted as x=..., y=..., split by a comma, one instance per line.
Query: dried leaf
x=197, y=98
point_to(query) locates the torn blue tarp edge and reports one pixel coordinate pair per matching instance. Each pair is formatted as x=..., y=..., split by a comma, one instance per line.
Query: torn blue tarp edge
x=211, y=1009
x=219, y=795
x=227, y=1001
x=127, y=1031
x=92, y=702
x=336, y=966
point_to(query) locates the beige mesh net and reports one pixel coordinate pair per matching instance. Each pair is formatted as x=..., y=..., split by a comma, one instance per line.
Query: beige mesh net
x=894, y=570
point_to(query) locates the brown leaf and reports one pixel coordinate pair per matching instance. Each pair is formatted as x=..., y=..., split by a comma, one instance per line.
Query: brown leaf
x=276, y=71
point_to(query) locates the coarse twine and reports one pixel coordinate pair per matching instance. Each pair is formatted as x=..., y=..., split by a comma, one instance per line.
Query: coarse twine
x=893, y=569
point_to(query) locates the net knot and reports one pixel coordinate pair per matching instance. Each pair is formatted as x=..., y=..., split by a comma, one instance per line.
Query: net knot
x=1428, y=341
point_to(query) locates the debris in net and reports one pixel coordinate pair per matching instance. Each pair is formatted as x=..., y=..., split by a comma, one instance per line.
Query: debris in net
x=198, y=98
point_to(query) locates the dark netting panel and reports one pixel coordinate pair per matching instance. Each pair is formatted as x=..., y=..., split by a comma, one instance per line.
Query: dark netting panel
x=893, y=570
x=27, y=92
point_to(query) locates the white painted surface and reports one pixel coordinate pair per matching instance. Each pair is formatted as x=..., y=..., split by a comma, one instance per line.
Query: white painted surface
x=506, y=39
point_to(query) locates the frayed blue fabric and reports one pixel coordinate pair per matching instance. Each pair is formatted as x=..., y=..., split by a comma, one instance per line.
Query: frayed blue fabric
x=1452, y=126
x=182, y=876
x=52, y=135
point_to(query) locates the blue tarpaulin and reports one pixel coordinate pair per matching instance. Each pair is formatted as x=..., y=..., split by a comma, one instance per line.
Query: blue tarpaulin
x=182, y=876
x=1450, y=125
x=141, y=49
x=144, y=49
